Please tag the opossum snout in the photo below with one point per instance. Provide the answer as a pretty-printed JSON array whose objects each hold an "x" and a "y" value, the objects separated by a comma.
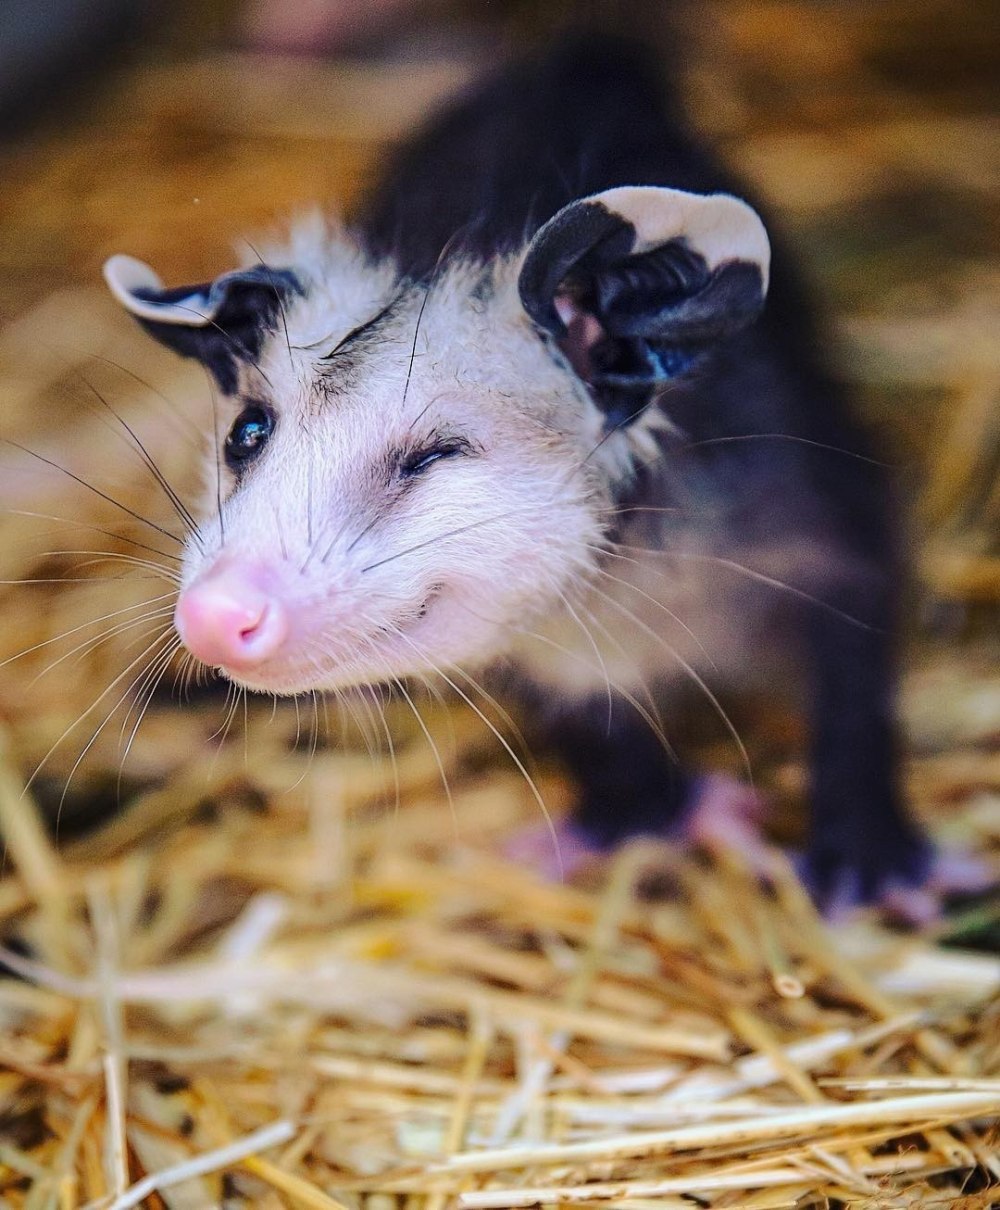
[{"x": 231, "y": 617}]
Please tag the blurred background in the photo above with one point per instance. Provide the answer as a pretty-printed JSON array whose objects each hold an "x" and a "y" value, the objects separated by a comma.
[
  {"x": 172, "y": 130},
  {"x": 235, "y": 835}
]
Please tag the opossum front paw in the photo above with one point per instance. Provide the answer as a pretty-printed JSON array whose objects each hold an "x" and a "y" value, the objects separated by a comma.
[
  {"x": 555, "y": 851},
  {"x": 849, "y": 872},
  {"x": 911, "y": 883},
  {"x": 719, "y": 813},
  {"x": 724, "y": 813}
]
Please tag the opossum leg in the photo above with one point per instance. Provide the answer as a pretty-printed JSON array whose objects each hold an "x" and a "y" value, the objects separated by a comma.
[
  {"x": 719, "y": 813},
  {"x": 863, "y": 848},
  {"x": 630, "y": 785},
  {"x": 950, "y": 875}
]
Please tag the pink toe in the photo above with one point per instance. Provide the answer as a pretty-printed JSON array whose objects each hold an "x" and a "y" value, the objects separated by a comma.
[
  {"x": 726, "y": 814},
  {"x": 958, "y": 873},
  {"x": 555, "y": 852}
]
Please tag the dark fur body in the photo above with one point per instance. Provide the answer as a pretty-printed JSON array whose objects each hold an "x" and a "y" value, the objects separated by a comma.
[{"x": 479, "y": 181}]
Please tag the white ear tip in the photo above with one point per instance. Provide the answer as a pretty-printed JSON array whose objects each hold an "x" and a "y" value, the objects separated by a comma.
[
  {"x": 125, "y": 275},
  {"x": 718, "y": 226},
  {"x": 748, "y": 232}
]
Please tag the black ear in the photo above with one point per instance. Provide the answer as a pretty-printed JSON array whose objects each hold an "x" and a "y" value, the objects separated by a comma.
[
  {"x": 636, "y": 282},
  {"x": 220, "y": 323}
]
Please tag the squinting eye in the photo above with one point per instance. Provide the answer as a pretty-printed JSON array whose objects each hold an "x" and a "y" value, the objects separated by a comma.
[
  {"x": 248, "y": 436},
  {"x": 420, "y": 460}
]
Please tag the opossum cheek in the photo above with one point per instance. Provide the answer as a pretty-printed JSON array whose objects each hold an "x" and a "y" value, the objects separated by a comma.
[{"x": 232, "y": 618}]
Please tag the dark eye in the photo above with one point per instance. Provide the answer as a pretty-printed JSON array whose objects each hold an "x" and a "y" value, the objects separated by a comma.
[
  {"x": 248, "y": 436},
  {"x": 417, "y": 462}
]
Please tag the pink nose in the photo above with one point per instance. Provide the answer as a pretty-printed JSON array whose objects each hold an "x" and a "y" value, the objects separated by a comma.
[{"x": 229, "y": 619}]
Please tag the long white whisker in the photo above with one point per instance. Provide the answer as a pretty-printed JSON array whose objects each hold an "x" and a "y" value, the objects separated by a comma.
[
  {"x": 151, "y": 647},
  {"x": 228, "y": 706},
  {"x": 146, "y": 694},
  {"x": 83, "y": 626},
  {"x": 93, "y": 739},
  {"x": 390, "y": 746},
  {"x": 140, "y": 692},
  {"x": 123, "y": 579},
  {"x": 100, "y": 556},
  {"x": 502, "y": 740},
  {"x": 691, "y": 672},
  {"x": 649, "y": 712},
  {"x": 431, "y": 744},
  {"x": 67, "y": 522},
  {"x": 759, "y": 576},
  {"x": 819, "y": 445},
  {"x": 597, "y": 651},
  {"x": 651, "y": 599},
  {"x": 91, "y": 644}
]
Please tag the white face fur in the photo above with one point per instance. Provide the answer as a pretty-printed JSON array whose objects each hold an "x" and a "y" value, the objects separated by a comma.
[
  {"x": 430, "y": 485},
  {"x": 414, "y": 505}
]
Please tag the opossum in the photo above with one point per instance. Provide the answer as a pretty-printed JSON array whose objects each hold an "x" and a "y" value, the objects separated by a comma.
[{"x": 532, "y": 413}]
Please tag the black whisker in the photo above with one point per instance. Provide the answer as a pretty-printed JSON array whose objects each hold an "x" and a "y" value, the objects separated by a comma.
[
  {"x": 193, "y": 429},
  {"x": 153, "y": 550},
  {"x": 277, "y": 296},
  {"x": 242, "y": 352},
  {"x": 609, "y": 433},
  {"x": 281, "y": 532},
  {"x": 413, "y": 346},
  {"x": 819, "y": 445},
  {"x": 370, "y": 526},
  {"x": 442, "y": 256},
  {"x": 451, "y": 533},
  {"x": 360, "y": 330},
  {"x": 96, "y": 490},
  {"x": 218, "y": 459},
  {"x": 179, "y": 506}
]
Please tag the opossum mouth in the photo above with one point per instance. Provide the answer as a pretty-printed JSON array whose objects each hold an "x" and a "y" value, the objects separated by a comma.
[
  {"x": 339, "y": 666},
  {"x": 428, "y": 601},
  {"x": 411, "y": 614}
]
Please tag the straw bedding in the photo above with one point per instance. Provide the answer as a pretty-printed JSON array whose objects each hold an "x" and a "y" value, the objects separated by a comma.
[
  {"x": 264, "y": 983},
  {"x": 261, "y": 957}
]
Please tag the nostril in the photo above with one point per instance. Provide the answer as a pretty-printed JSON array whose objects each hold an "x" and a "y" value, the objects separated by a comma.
[
  {"x": 247, "y": 632},
  {"x": 263, "y": 636}
]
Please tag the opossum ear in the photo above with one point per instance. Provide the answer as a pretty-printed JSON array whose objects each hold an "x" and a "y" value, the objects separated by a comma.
[
  {"x": 220, "y": 323},
  {"x": 636, "y": 282}
]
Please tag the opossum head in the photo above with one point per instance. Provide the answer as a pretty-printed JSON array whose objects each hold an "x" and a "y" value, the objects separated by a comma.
[{"x": 405, "y": 475}]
